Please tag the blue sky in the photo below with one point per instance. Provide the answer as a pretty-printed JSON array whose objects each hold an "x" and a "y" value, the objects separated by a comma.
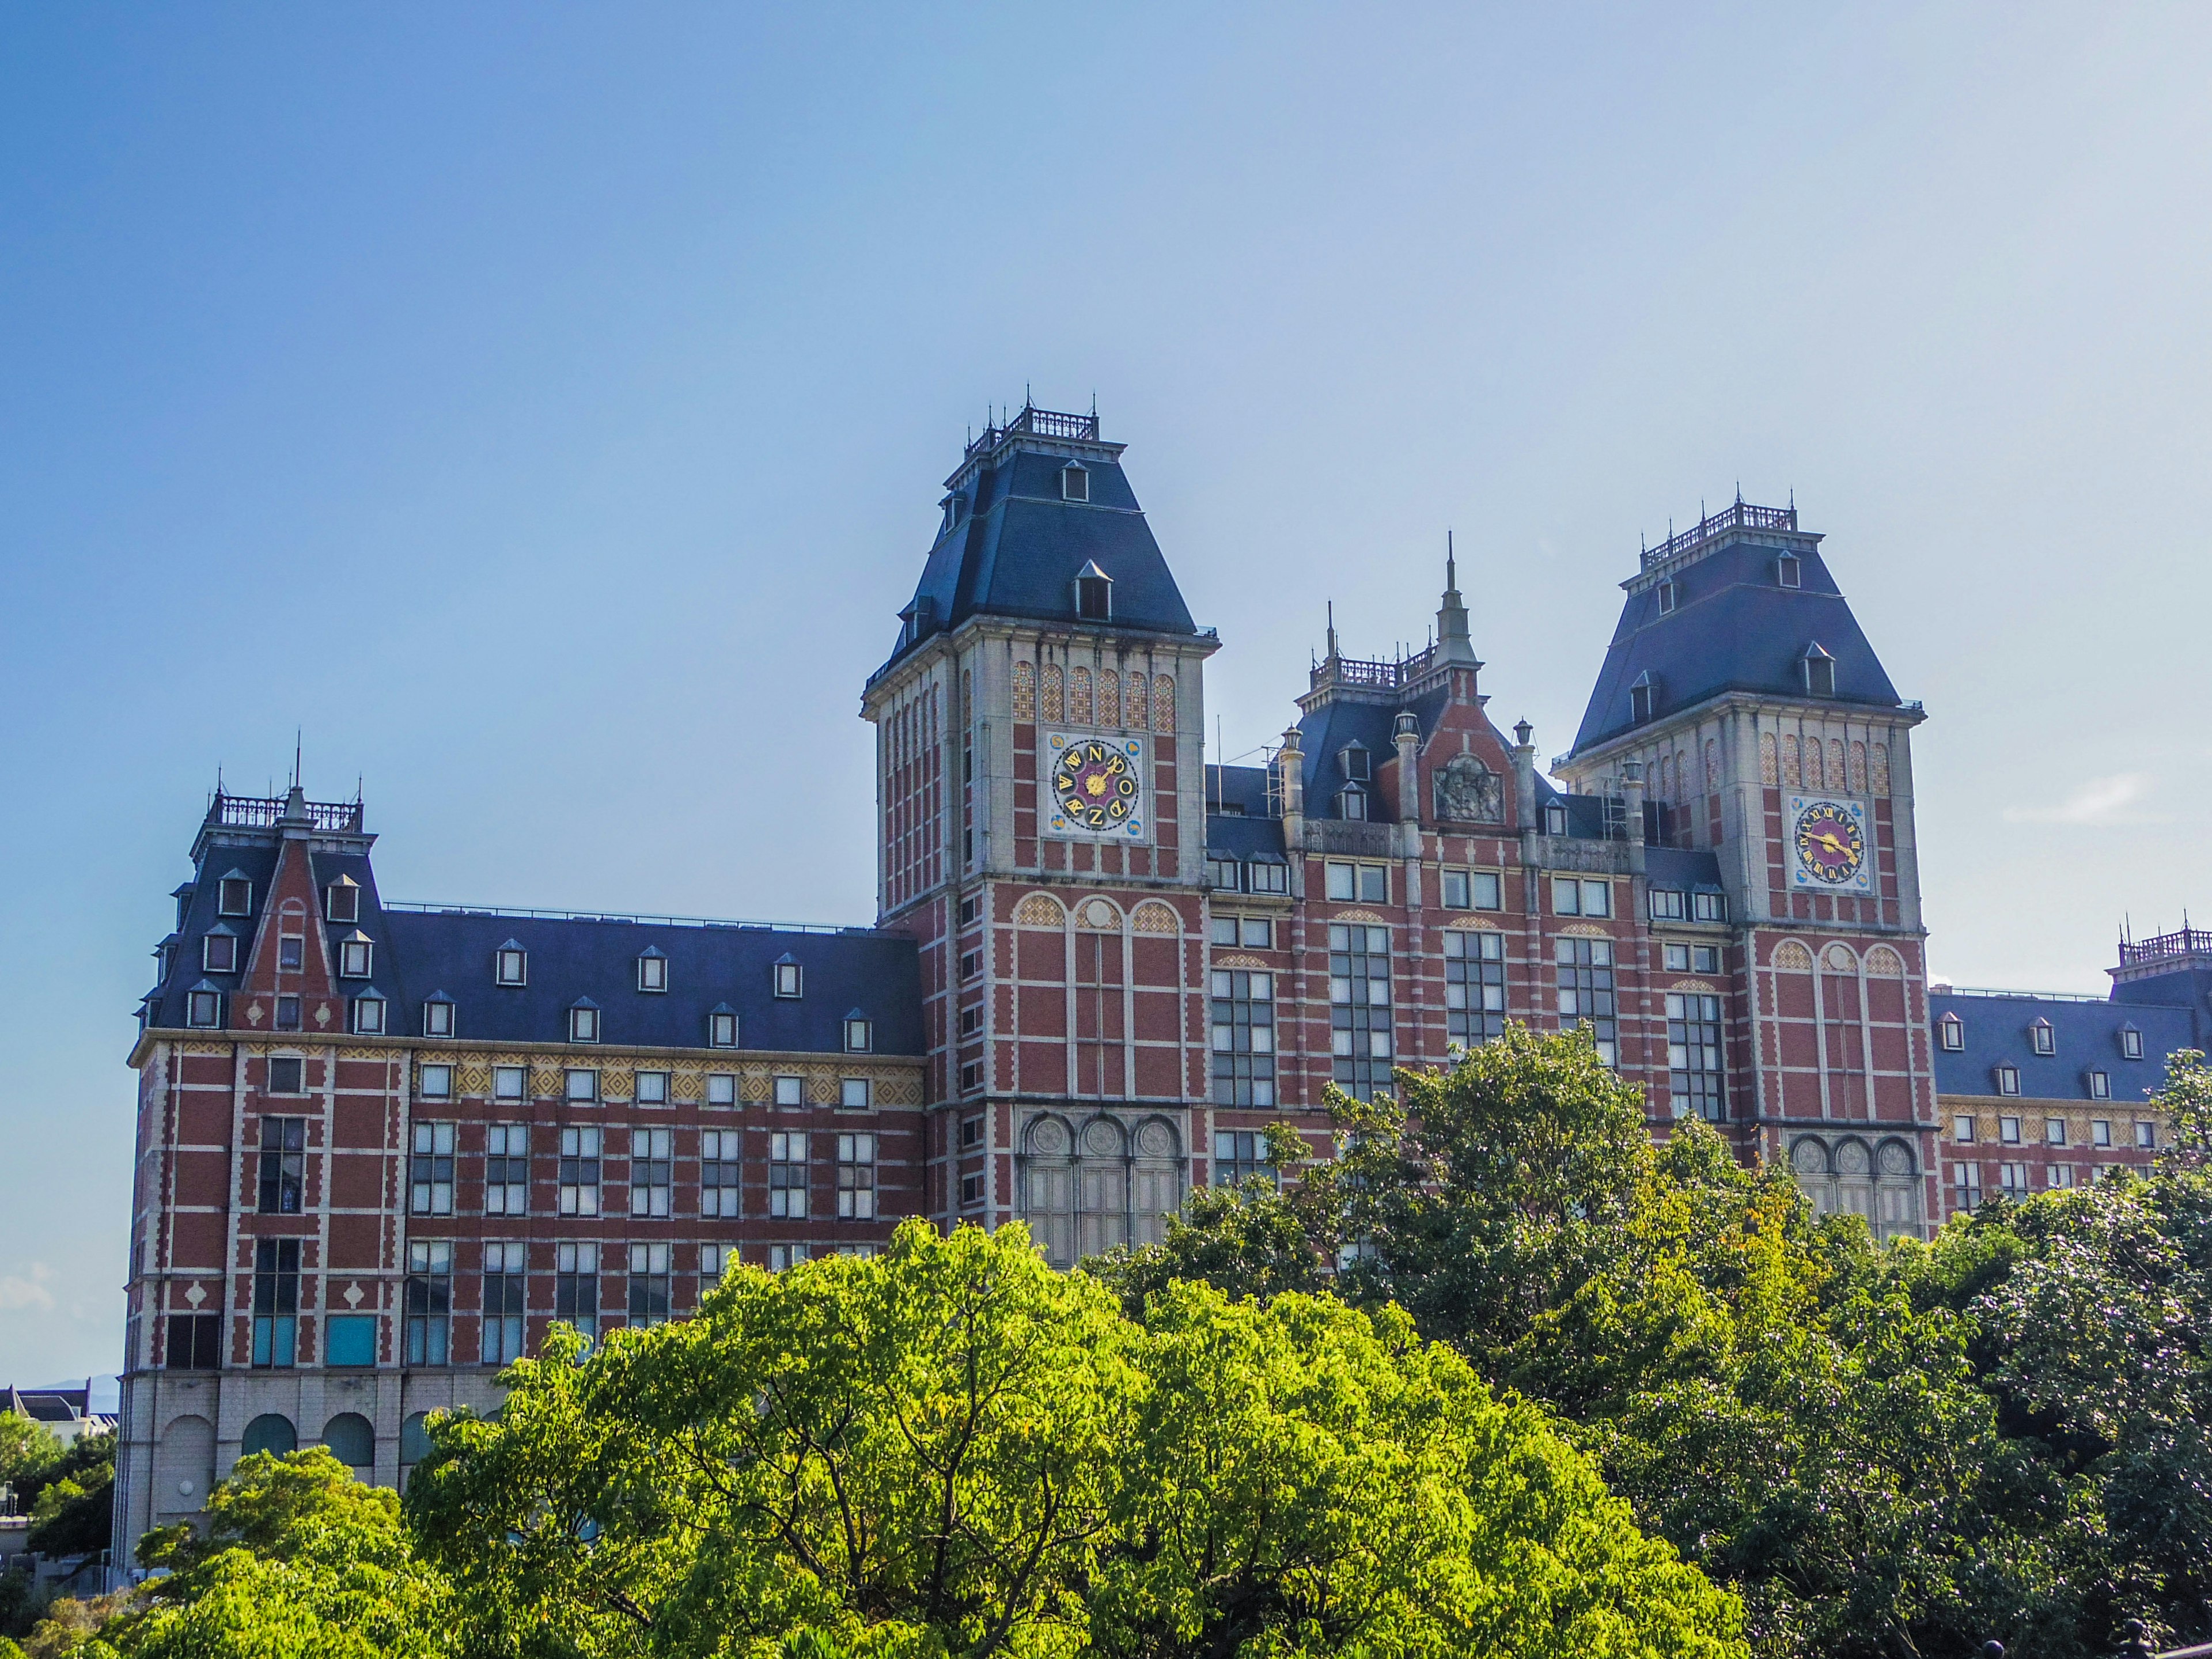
[{"x": 544, "y": 408}]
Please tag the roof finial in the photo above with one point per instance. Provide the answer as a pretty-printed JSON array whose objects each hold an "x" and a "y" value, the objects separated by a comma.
[
  {"x": 298, "y": 733},
  {"x": 1738, "y": 492},
  {"x": 1028, "y": 402},
  {"x": 1451, "y": 563},
  {"x": 1331, "y": 629}
]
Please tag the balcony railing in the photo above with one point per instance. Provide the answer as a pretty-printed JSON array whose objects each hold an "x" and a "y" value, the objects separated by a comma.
[
  {"x": 265, "y": 811},
  {"x": 1039, "y": 423},
  {"x": 2182, "y": 942},
  {"x": 1738, "y": 515}
]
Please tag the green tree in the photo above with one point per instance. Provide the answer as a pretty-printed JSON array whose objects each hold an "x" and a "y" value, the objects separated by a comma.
[
  {"x": 951, "y": 1450},
  {"x": 73, "y": 1510}
]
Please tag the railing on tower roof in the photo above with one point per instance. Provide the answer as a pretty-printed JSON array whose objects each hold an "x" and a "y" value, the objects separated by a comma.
[
  {"x": 266, "y": 811},
  {"x": 1039, "y": 423},
  {"x": 2184, "y": 941},
  {"x": 1738, "y": 515},
  {"x": 1382, "y": 674}
]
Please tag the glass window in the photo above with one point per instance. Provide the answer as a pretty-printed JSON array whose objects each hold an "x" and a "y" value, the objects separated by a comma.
[
  {"x": 1962, "y": 1129},
  {"x": 194, "y": 1343},
  {"x": 288, "y": 1012},
  {"x": 351, "y": 1339},
  {"x": 718, "y": 1170},
  {"x": 1375, "y": 884},
  {"x": 787, "y": 1174},
  {"x": 1708, "y": 906},
  {"x": 856, "y": 1177},
  {"x": 1223, "y": 874},
  {"x": 2008, "y": 1079},
  {"x": 722, "y": 1089},
  {"x": 2043, "y": 1038},
  {"x": 651, "y": 1155},
  {"x": 2054, "y": 1131},
  {"x": 579, "y": 1171},
  {"x": 722, "y": 1031},
  {"x": 1268, "y": 878},
  {"x": 275, "y": 1302},
  {"x": 1488, "y": 891},
  {"x": 235, "y": 896},
  {"x": 509, "y": 966},
  {"x": 576, "y": 1287},
  {"x": 2008, "y": 1130},
  {"x": 1697, "y": 1076},
  {"x": 506, "y": 1301},
  {"x": 368, "y": 1014},
  {"x": 1343, "y": 882},
  {"x": 790, "y": 1092},
  {"x": 2012, "y": 1180},
  {"x": 1666, "y": 904},
  {"x": 1951, "y": 1032},
  {"x": 1968, "y": 1194},
  {"x": 429, "y": 1300},
  {"x": 507, "y": 1168},
  {"x": 715, "y": 1260},
  {"x": 2101, "y": 1131},
  {"x": 205, "y": 1008},
  {"x": 283, "y": 1165},
  {"x": 788, "y": 979},
  {"x": 1586, "y": 990},
  {"x": 1474, "y": 986},
  {"x": 582, "y": 1086},
  {"x": 2101, "y": 1087},
  {"x": 219, "y": 953},
  {"x": 651, "y": 1089},
  {"x": 1597, "y": 898},
  {"x": 509, "y": 1082},
  {"x": 342, "y": 900},
  {"x": 858, "y": 1036},
  {"x": 430, "y": 1170},
  {"x": 1455, "y": 891},
  {"x": 1705, "y": 958},
  {"x": 651, "y": 1284},
  {"x": 1360, "y": 1036},
  {"x": 354, "y": 955},
  {"x": 1566, "y": 896},
  {"x": 1239, "y": 1155},
  {"x": 285, "y": 1074},
  {"x": 1222, "y": 931},
  {"x": 653, "y": 973},
  {"x": 853, "y": 1093},
  {"x": 436, "y": 1082},
  {"x": 2057, "y": 1176},
  {"x": 1243, "y": 1034},
  {"x": 437, "y": 1018},
  {"x": 1257, "y": 933},
  {"x": 2146, "y": 1135},
  {"x": 291, "y": 952},
  {"x": 583, "y": 1025},
  {"x": 2130, "y": 1043}
]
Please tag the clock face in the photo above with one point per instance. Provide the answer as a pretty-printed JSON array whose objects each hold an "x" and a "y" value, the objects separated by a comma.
[
  {"x": 1096, "y": 786},
  {"x": 1829, "y": 837}
]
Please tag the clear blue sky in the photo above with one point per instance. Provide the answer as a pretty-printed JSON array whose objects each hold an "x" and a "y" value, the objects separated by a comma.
[{"x": 545, "y": 407}]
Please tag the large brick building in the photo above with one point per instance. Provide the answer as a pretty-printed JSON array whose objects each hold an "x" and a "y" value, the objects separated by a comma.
[{"x": 382, "y": 1147}]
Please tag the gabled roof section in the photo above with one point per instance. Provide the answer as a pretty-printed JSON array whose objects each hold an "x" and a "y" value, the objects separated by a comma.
[
  {"x": 1013, "y": 544},
  {"x": 1730, "y": 623}
]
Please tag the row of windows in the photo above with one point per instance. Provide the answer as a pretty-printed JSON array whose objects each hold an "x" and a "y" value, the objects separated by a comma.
[
  {"x": 1248, "y": 876},
  {"x": 2042, "y": 1037},
  {"x": 2055, "y": 1132},
  {"x": 195, "y": 1341},
  {"x": 2097, "y": 1085},
  {"x": 580, "y": 1087},
  {"x": 219, "y": 952},
  {"x": 204, "y": 1004},
  {"x": 2012, "y": 1181}
]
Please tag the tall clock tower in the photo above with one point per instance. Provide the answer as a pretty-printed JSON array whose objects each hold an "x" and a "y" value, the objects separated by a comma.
[
  {"x": 1741, "y": 702},
  {"x": 1039, "y": 789}
]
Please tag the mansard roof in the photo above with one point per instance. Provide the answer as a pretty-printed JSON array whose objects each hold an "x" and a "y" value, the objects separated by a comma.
[
  {"x": 1730, "y": 625},
  {"x": 2085, "y": 1037},
  {"x": 1013, "y": 544}
]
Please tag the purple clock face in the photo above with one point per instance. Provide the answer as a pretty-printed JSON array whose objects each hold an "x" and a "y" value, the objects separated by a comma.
[
  {"x": 1095, "y": 786},
  {"x": 1829, "y": 844}
]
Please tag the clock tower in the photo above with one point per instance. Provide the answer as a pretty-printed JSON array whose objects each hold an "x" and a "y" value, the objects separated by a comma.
[
  {"x": 1039, "y": 789},
  {"x": 1742, "y": 705}
]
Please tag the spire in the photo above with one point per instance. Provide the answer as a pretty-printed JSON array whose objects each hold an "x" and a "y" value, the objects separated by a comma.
[
  {"x": 1454, "y": 646},
  {"x": 1332, "y": 630}
]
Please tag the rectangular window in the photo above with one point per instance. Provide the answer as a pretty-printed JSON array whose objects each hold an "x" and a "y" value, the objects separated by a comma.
[
  {"x": 435, "y": 1083},
  {"x": 2008, "y": 1130},
  {"x": 509, "y": 1083},
  {"x": 194, "y": 1343},
  {"x": 288, "y": 1011},
  {"x": 1968, "y": 1192},
  {"x": 2012, "y": 1180},
  {"x": 1951, "y": 1034},
  {"x": 1256, "y": 932},
  {"x": 1474, "y": 986},
  {"x": 1555, "y": 820},
  {"x": 285, "y": 1074},
  {"x": 429, "y": 1300},
  {"x": 1586, "y": 991},
  {"x": 719, "y": 1164},
  {"x": 1375, "y": 884},
  {"x": 971, "y": 963},
  {"x": 971, "y": 1020},
  {"x": 1962, "y": 1129},
  {"x": 507, "y": 1168},
  {"x": 1666, "y": 904},
  {"x": 650, "y": 1286},
  {"x": 653, "y": 973},
  {"x": 788, "y": 979},
  {"x": 342, "y": 900},
  {"x": 859, "y": 1035},
  {"x": 2057, "y": 1176},
  {"x": 349, "y": 1339},
  {"x": 1222, "y": 931},
  {"x": 1268, "y": 878},
  {"x": 971, "y": 1076},
  {"x": 354, "y": 958},
  {"x": 1566, "y": 896},
  {"x": 651, "y": 1155},
  {"x": 576, "y": 1287},
  {"x": 510, "y": 966},
  {"x": 1244, "y": 1023},
  {"x": 235, "y": 896},
  {"x": 1360, "y": 1036},
  {"x": 1456, "y": 894},
  {"x": 856, "y": 1177},
  {"x": 2146, "y": 1135},
  {"x": 651, "y": 1089},
  {"x": 1707, "y": 907},
  {"x": 583, "y": 1087},
  {"x": 971, "y": 1132},
  {"x": 283, "y": 1165},
  {"x": 2130, "y": 1044},
  {"x": 430, "y": 1170},
  {"x": 1705, "y": 958},
  {"x": 971, "y": 1190},
  {"x": 219, "y": 953},
  {"x": 275, "y": 1302},
  {"x": 2101, "y": 1131},
  {"x": 1597, "y": 898},
  {"x": 2008, "y": 1079},
  {"x": 1696, "y": 1074},
  {"x": 1223, "y": 873},
  {"x": 583, "y": 1025},
  {"x": 852, "y": 1094},
  {"x": 2054, "y": 1131},
  {"x": 1785, "y": 571},
  {"x": 579, "y": 1171},
  {"x": 1240, "y": 1154},
  {"x": 204, "y": 1009},
  {"x": 1343, "y": 882},
  {"x": 722, "y": 1089},
  {"x": 790, "y": 1092},
  {"x": 506, "y": 1301},
  {"x": 368, "y": 1015},
  {"x": 787, "y": 1175},
  {"x": 781, "y": 1256},
  {"x": 291, "y": 952},
  {"x": 2043, "y": 1038},
  {"x": 714, "y": 1260},
  {"x": 2101, "y": 1087},
  {"x": 721, "y": 1030}
]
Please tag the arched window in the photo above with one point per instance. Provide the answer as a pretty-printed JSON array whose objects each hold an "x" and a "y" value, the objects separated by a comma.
[
  {"x": 413, "y": 1445},
  {"x": 269, "y": 1433},
  {"x": 352, "y": 1440}
]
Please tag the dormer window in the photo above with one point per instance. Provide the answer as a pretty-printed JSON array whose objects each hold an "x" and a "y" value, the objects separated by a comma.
[
  {"x": 2130, "y": 1043},
  {"x": 1094, "y": 594},
  {"x": 584, "y": 1021},
  {"x": 952, "y": 511},
  {"x": 1820, "y": 673},
  {"x": 342, "y": 900},
  {"x": 1353, "y": 759},
  {"x": 1641, "y": 696},
  {"x": 652, "y": 970},
  {"x": 1351, "y": 802},
  {"x": 1074, "y": 484},
  {"x": 1555, "y": 820},
  {"x": 219, "y": 951},
  {"x": 203, "y": 1006},
  {"x": 2008, "y": 1079},
  {"x": 1786, "y": 572},
  {"x": 355, "y": 952},
  {"x": 1668, "y": 597},
  {"x": 1951, "y": 1033},
  {"x": 787, "y": 976},
  {"x": 235, "y": 897},
  {"x": 510, "y": 965},
  {"x": 860, "y": 1033},
  {"x": 438, "y": 1015},
  {"x": 2042, "y": 1038},
  {"x": 183, "y": 898},
  {"x": 722, "y": 1027},
  {"x": 368, "y": 1014}
]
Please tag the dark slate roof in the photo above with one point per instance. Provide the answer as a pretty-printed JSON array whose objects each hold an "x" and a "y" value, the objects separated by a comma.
[
  {"x": 1326, "y": 733},
  {"x": 1733, "y": 628},
  {"x": 257, "y": 864},
  {"x": 1685, "y": 869},
  {"x": 1253, "y": 841},
  {"x": 1236, "y": 789},
  {"x": 570, "y": 959},
  {"x": 2087, "y": 1037},
  {"x": 1016, "y": 547}
]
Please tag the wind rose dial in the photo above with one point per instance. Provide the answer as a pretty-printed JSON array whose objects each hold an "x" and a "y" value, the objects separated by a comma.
[
  {"x": 1829, "y": 848},
  {"x": 1095, "y": 784}
]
